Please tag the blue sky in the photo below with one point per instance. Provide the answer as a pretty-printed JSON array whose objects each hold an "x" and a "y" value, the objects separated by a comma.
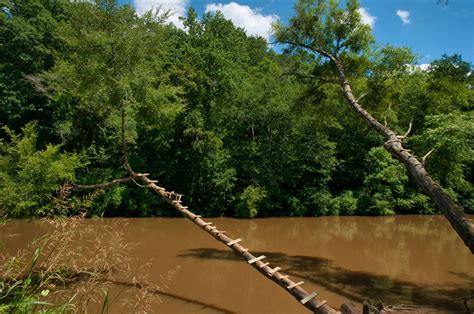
[{"x": 428, "y": 28}]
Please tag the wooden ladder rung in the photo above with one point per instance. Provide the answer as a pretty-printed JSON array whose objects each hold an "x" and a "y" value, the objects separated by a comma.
[
  {"x": 256, "y": 259},
  {"x": 245, "y": 250},
  {"x": 284, "y": 277},
  {"x": 234, "y": 242},
  {"x": 295, "y": 284},
  {"x": 322, "y": 303},
  {"x": 212, "y": 228},
  {"x": 207, "y": 223},
  {"x": 274, "y": 270},
  {"x": 184, "y": 207},
  {"x": 264, "y": 264},
  {"x": 309, "y": 297},
  {"x": 197, "y": 216}
]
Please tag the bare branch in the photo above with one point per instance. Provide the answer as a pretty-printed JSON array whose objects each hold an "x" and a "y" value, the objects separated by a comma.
[
  {"x": 124, "y": 142},
  {"x": 409, "y": 128},
  {"x": 408, "y": 131},
  {"x": 80, "y": 187},
  {"x": 313, "y": 49},
  {"x": 317, "y": 78},
  {"x": 423, "y": 159},
  {"x": 361, "y": 96}
]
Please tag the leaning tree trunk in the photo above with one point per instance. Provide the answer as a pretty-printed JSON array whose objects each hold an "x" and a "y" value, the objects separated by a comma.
[{"x": 443, "y": 202}]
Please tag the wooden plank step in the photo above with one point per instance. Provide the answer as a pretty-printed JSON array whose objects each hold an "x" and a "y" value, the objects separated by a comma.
[
  {"x": 322, "y": 303},
  {"x": 274, "y": 270},
  {"x": 256, "y": 259},
  {"x": 264, "y": 264},
  {"x": 309, "y": 297},
  {"x": 234, "y": 242},
  {"x": 295, "y": 285},
  {"x": 207, "y": 223}
]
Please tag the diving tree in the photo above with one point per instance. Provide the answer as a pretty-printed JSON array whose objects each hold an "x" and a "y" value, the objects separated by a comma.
[{"x": 334, "y": 42}]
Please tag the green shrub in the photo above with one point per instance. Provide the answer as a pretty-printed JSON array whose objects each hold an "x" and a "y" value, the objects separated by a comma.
[
  {"x": 250, "y": 200},
  {"x": 29, "y": 177},
  {"x": 344, "y": 204}
]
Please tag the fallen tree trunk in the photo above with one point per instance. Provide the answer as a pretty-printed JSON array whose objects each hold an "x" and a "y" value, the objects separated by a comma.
[
  {"x": 273, "y": 273},
  {"x": 453, "y": 212}
]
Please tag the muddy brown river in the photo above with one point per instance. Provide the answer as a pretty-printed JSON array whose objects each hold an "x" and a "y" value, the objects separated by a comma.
[{"x": 417, "y": 260}]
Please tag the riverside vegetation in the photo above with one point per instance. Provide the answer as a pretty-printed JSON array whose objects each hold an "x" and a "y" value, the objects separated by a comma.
[{"x": 239, "y": 129}]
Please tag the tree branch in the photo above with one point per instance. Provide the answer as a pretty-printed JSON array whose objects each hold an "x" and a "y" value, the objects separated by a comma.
[
  {"x": 361, "y": 96},
  {"x": 124, "y": 144},
  {"x": 317, "y": 78},
  {"x": 313, "y": 49},
  {"x": 82, "y": 187},
  {"x": 423, "y": 159},
  {"x": 408, "y": 131}
]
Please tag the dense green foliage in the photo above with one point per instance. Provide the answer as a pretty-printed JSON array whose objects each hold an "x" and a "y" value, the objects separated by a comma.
[{"x": 217, "y": 115}]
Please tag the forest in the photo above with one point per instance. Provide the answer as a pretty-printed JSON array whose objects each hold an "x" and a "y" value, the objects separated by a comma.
[{"x": 240, "y": 127}]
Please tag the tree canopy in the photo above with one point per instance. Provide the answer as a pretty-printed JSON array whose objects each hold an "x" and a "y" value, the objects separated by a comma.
[{"x": 238, "y": 128}]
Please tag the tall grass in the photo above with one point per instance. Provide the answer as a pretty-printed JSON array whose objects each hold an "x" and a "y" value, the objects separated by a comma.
[{"x": 70, "y": 268}]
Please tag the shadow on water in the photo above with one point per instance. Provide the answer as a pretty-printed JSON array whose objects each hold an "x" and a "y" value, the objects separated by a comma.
[
  {"x": 173, "y": 296},
  {"x": 356, "y": 285}
]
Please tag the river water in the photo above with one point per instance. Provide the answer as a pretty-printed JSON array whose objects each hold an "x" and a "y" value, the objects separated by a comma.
[{"x": 416, "y": 260}]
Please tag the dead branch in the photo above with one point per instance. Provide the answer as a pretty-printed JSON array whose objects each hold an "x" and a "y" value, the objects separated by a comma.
[
  {"x": 361, "y": 96},
  {"x": 408, "y": 131},
  {"x": 82, "y": 187},
  {"x": 423, "y": 159},
  {"x": 124, "y": 144},
  {"x": 465, "y": 299}
]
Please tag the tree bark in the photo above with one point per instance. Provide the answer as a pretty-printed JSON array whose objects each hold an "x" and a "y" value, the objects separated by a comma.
[{"x": 453, "y": 212}]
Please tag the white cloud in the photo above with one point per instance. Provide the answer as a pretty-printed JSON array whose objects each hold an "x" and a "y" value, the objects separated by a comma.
[
  {"x": 424, "y": 66},
  {"x": 243, "y": 16},
  {"x": 366, "y": 17},
  {"x": 177, "y": 8},
  {"x": 404, "y": 16},
  {"x": 412, "y": 68}
]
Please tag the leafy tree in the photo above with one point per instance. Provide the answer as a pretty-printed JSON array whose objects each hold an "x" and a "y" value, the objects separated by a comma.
[
  {"x": 451, "y": 139},
  {"x": 27, "y": 47},
  {"x": 112, "y": 73}
]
